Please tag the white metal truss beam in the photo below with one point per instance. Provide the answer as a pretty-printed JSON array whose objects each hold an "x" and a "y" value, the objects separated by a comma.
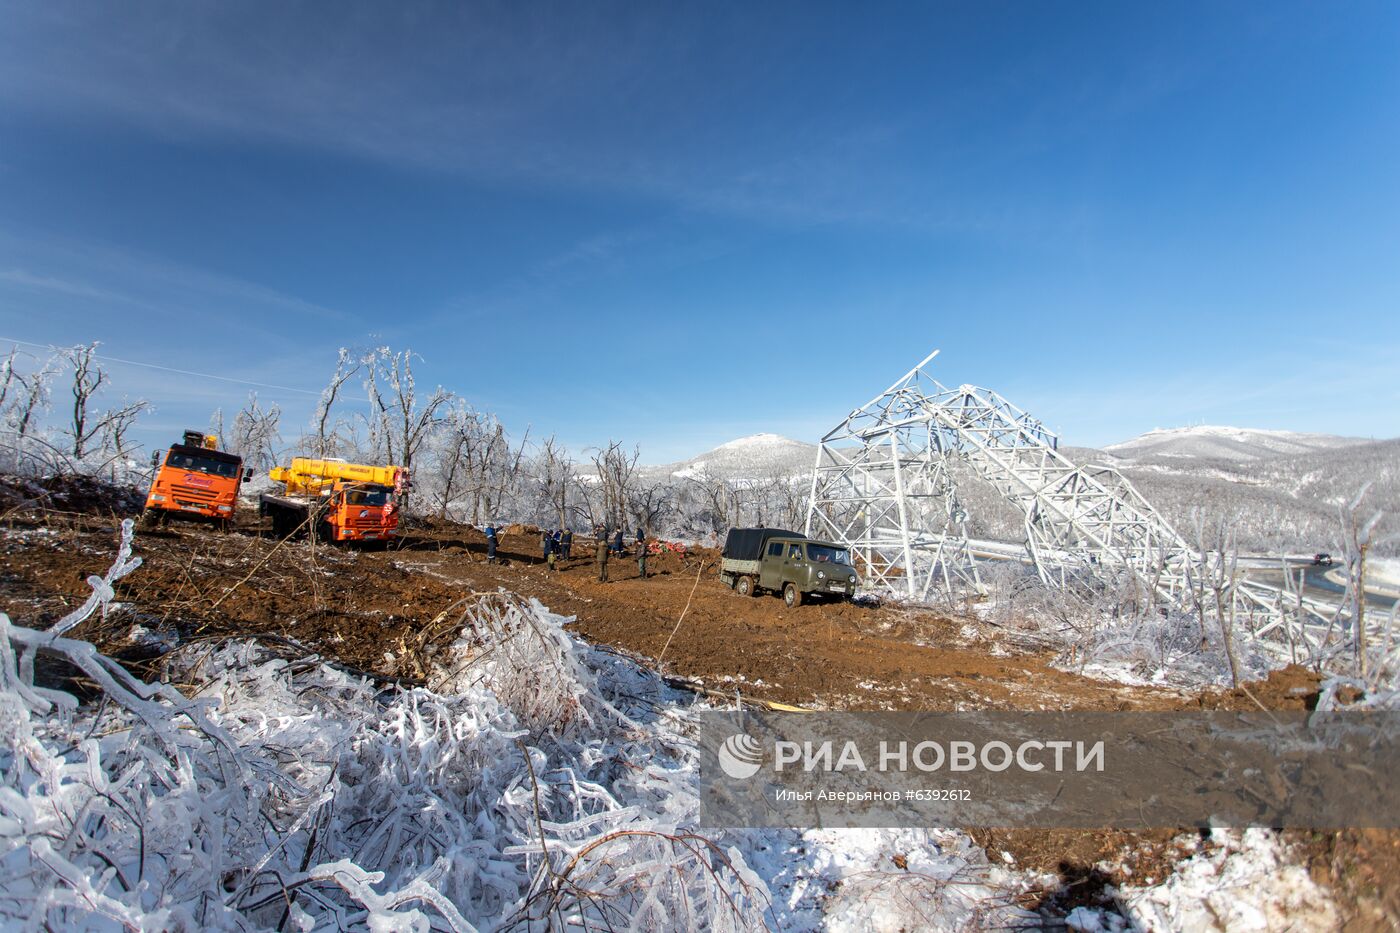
[{"x": 883, "y": 487}]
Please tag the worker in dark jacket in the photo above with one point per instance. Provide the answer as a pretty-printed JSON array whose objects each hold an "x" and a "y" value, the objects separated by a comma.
[
  {"x": 642, "y": 556},
  {"x": 602, "y": 557},
  {"x": 490, "y": 544},
  {"x": 566, "y": 543},
  {"x": 544, "y": 544},
  {"x": 618, "y": 544}
]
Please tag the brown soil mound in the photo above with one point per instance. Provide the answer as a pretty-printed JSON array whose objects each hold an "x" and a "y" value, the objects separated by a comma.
[
  {"x": 68, "y": 496},
  {"x": 359, "y": 609}
]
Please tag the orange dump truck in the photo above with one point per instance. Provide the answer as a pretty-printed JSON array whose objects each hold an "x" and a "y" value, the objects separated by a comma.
[
  {"x": 195, "y": 480},
  {"x": 336, "y": 500}
]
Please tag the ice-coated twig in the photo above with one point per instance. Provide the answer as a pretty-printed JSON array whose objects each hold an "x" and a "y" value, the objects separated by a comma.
[
  {"x": 102, "y": 592},
  {"x": 415, "y": 809}
]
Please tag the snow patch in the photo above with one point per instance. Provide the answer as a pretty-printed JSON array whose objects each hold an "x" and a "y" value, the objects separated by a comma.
[{"x": 1246, "y": 882}]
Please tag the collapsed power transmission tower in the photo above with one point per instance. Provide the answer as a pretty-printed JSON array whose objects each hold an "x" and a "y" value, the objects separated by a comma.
[{"x": 884, "y": 486}]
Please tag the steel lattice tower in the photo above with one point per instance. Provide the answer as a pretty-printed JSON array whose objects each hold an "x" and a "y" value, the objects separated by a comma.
[{"x": 883, "y": 486}]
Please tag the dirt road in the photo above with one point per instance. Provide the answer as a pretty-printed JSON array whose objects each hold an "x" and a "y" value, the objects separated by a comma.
[{"x": 826, "y": 655}]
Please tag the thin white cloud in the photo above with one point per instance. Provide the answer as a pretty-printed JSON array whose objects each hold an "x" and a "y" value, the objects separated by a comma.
[
  {"x": 45, "y": 283},
  {"x": 100, "y": 272},
  {"x": 659, "y": 102}
]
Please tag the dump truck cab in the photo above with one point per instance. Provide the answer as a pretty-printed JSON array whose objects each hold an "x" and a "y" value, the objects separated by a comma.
[
  {"x": 771, "y": 560},
  {"x": 196, "y": 480}
]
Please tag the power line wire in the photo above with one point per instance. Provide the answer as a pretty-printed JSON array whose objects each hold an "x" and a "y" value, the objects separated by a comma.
[{"x": 171, "y": 369}]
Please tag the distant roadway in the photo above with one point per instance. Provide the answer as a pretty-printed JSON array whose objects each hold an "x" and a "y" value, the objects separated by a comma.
[{"x": 1316, "y": 582}]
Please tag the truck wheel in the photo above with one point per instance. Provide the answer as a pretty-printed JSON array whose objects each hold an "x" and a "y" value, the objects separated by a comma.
[
  {"x": 745, "y": 586},
  {"x": 792, "y": 596}
]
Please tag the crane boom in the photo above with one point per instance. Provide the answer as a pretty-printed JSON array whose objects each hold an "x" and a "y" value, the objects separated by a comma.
[{"x": 310, "y": 477}]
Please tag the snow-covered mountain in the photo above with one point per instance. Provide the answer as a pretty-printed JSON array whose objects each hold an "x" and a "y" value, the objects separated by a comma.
[
  {"x": 1227, "y": 443},
  {"x": 758, "y": 456}
]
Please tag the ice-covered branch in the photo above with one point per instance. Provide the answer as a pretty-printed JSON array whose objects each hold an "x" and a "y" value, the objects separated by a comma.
[{"x": 296, "y": 795}]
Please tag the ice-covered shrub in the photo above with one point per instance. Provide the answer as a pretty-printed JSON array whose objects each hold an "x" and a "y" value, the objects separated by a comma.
[
  {"x": 1117, "y": 624},
  {"x": 287, "y": 794}
]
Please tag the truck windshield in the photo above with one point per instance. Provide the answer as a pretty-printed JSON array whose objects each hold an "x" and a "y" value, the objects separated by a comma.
[
  {"x": 367, "y": 497},
  {"x": 197, "y": 464},
  {"x": 822, "y": 554}
]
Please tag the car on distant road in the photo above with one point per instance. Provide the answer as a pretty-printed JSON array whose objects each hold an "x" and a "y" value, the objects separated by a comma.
[{"x": 1322, "y": 560}]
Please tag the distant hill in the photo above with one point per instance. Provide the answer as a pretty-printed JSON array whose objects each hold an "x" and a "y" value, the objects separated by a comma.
[
  {"x": 1278, "y": 490},
  {"x": 756, "y": 457},
  {"x": 1226, "y": 443}
]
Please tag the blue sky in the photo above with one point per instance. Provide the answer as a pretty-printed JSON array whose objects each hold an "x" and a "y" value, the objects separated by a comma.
[{"x": 677, "y": 224}]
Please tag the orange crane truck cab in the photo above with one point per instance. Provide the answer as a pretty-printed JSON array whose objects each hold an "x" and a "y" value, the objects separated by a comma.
[
  {"x": 338, "y": 501},
  {"x": 194, "y": 480}
]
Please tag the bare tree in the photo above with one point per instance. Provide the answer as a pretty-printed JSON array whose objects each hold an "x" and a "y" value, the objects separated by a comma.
[
  {"x": 1217, "y": 569},
  {"x": 615, "y": 468},
  {"x": 88, "y": 378},
  {"x": 501, "y": 474},
  {"x": 378, "y": 419},
  {"x": 216, "y": 424},
  {"x": 107, "y": 428},
  {"x": 719, "y": 500},
  {"x": 326, "y": 442},
  {"x": 1357, "y": 540},
  {"x": 648, "y": 502},
  {"x": 7, "y": 377},
  {"x": 399, "y": 422},
  {"x": 456, "y": 442},
  {"x": 255, "y": 433},
  {"x": 24, "y": 395},
  {"x": 115, "y": 424},
  {"x": 554, "y": 473},
  {"x": 787, "y": 498},
  {"x": 470, "y": 452}
]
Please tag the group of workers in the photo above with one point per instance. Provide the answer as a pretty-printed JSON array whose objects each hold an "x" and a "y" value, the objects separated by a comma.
[
  {"x": 606, "y": 548},
  {"x": 557, "y": 545}
]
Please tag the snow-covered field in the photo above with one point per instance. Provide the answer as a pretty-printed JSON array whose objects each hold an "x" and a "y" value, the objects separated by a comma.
[{"x": 537, "y": 783}]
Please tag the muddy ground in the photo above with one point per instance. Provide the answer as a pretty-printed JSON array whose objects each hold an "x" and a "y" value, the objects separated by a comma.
[{"x": 374, "y": 612}]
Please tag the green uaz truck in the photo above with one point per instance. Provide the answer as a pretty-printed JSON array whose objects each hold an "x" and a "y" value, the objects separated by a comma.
[{"x": 755, "y": 560}]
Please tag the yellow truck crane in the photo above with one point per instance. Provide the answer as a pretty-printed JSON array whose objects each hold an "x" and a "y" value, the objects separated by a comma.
[{"x": 338, "y": 501}]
